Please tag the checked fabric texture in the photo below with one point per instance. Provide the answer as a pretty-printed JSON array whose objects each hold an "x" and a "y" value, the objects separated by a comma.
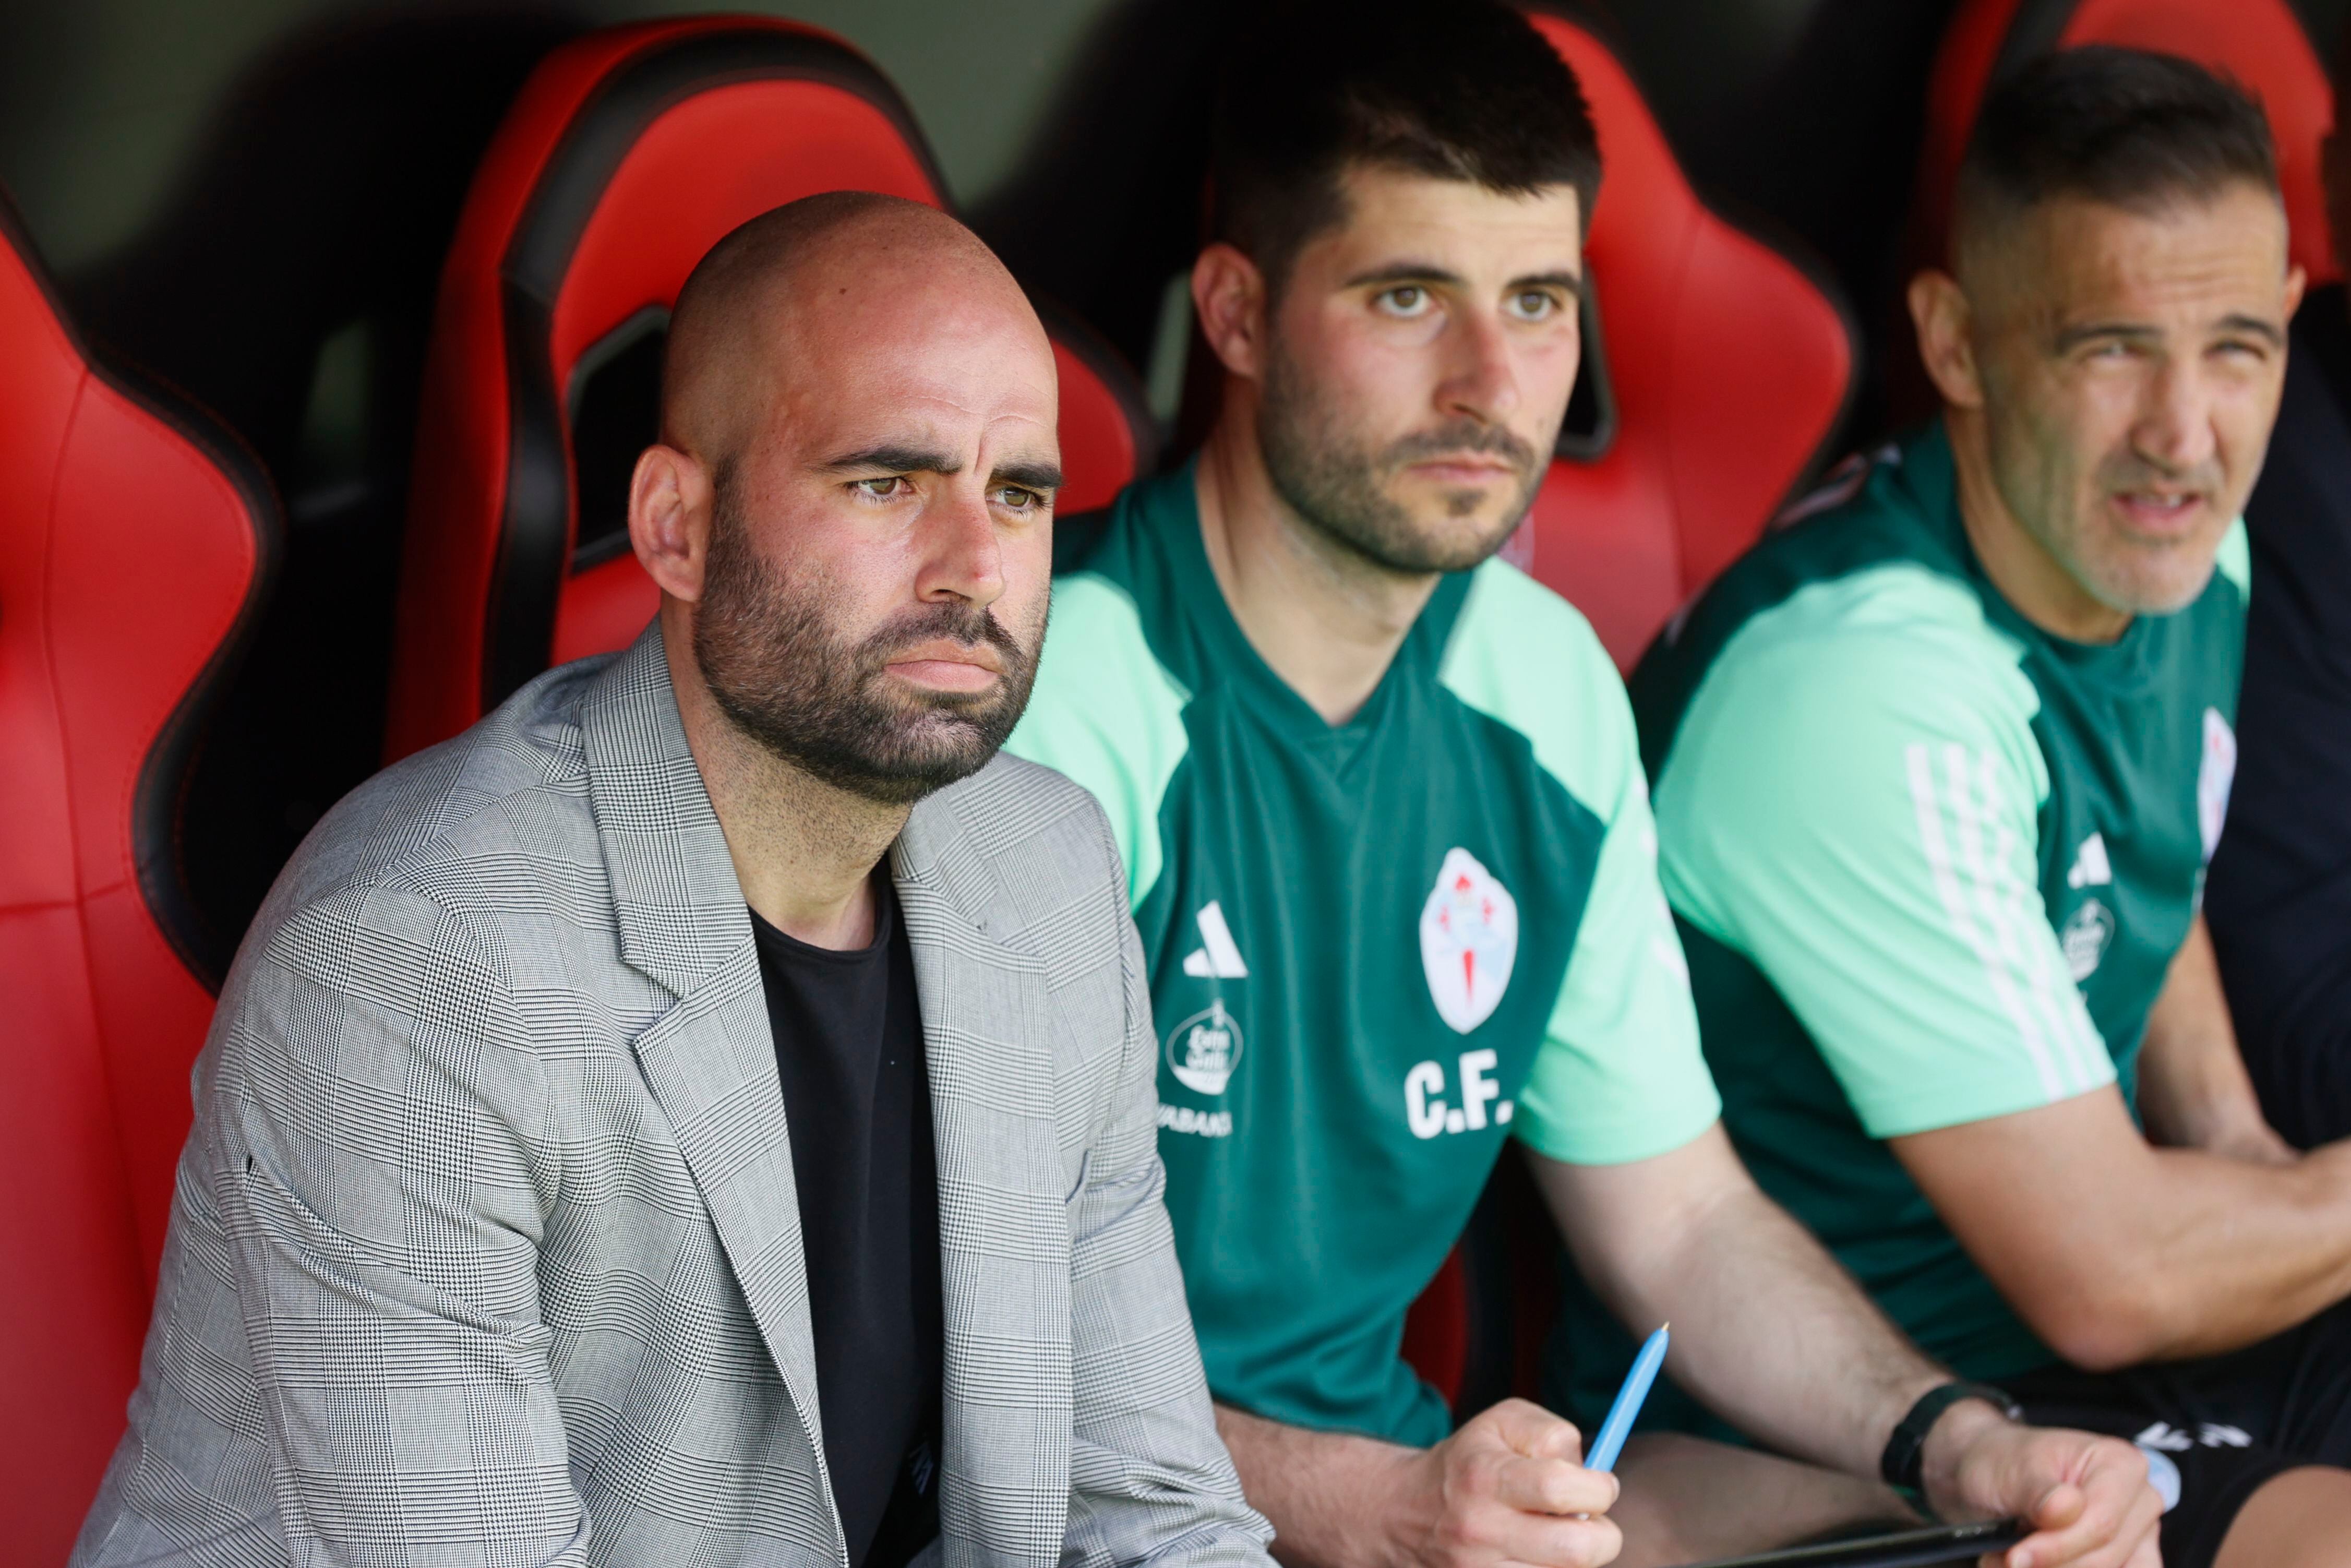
[{"x": 485, "y": 1251}]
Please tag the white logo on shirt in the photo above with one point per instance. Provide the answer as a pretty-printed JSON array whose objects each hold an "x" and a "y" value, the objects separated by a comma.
[
  {"x": 1202, "y": 1050},
  {"x": 2091, "y": 867},
  {"x": 2084, "y": 939},
  {"x": 1220, "y": 959},
  {"x": 2215, "y": 778},
  {"x": 1468, "y": 940},
  {"x": 2167, "y": 1439},
  {"x": 1427, "y": 1115}
]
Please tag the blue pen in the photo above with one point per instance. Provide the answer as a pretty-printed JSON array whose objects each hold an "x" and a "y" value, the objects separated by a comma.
[{"x": 1619, "y": 1424}]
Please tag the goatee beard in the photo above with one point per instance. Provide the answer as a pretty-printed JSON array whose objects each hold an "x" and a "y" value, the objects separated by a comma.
[{"x": 778, "y": 671}]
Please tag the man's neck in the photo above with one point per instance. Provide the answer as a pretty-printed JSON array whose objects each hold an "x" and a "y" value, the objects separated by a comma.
[
  {"x": 2032, "y": 581},
  {"x": 1326, "y": 620},
  {"x": 804, "y": 851}
]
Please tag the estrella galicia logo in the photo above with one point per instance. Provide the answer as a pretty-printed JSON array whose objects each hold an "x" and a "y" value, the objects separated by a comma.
[
  {"x": 2084, "y": 938},
  {"x": 1204, "y": 1049}
]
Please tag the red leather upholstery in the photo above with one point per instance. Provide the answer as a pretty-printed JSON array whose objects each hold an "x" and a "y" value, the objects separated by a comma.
[
  {"x": 2261, "y": 43},
  {"x": 135, "y": 543},
  {"x": 628, "y": 154},
  {"x": 1730, "y": 370}
]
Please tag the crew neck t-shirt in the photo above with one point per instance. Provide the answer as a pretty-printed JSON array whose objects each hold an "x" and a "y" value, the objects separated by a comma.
[
  {"x": 1931, "y": 863},
  {"x": 857, "y": 1106},
  {"x": 1377, "y": 949}
]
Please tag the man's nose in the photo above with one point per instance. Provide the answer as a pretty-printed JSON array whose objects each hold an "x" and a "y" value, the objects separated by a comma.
[
  {"x": 962, "y": 557},
  {"x": 2175, "y": 429},
  {"x": 1480, "y": 378}
]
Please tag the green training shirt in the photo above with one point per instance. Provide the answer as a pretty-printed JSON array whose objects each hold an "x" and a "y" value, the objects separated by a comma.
[
  {"x": 1931, "y": 863},
  {"x": 1377, "y": 949}
]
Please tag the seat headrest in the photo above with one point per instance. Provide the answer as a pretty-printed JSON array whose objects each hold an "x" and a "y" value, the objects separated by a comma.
[{"x": 628, "y": 154}]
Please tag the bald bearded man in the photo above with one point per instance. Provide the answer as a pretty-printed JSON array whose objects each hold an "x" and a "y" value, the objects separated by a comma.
[{"x": 703, "y": 1113}]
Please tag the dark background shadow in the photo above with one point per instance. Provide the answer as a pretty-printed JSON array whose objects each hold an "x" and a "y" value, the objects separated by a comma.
[{"x": 288, "y": 284}]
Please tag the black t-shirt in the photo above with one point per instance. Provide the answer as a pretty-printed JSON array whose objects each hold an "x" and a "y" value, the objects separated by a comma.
[
  {"x": 2279, "y": 898},
  {"x": 857, "y": 1101}
]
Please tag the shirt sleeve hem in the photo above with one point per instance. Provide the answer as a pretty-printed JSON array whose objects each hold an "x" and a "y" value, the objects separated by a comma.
[
  {"x": 1956, "y": 1104},
  {"x": 1587, "y": 1144}
]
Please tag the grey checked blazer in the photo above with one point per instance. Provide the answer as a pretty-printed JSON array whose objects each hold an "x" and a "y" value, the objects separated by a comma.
[{"x": 485, "y": 1249}]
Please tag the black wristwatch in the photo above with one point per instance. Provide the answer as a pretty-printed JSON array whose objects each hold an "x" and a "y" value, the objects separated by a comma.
[{"x": 1905, "y": 1459}]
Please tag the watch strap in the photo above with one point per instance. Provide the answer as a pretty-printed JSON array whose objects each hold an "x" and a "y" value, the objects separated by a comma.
[{"x": 1904, "y": 1462}]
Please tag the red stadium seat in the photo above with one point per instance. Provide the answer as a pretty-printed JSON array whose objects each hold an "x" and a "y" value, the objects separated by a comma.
[
  {"x": 136, "y": 543},
  {"x": 1727, "y": 371},
  {"x": 628, "y": 154},
  {"x": 2261, "y": 43}
]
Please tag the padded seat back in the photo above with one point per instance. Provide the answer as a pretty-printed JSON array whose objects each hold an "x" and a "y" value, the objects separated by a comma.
[
  {"x": 2261, "y": 43},
  {"x": 628, "y": 153},
  {"x": 136, "y": 541},
  {"x": 1727, "y": 370}
]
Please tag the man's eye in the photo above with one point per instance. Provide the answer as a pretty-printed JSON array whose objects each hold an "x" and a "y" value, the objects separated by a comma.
[
  {"x": 1405, "y": 299},
  {"x": 881, "y": 489},
  {"x": 1533, "y": 305},
  {"x": 1015, "y": 499}
]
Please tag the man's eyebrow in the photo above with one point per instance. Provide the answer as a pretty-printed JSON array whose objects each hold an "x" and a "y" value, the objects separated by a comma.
[
  {"x": 2070, "y": 337},
  {"x": 1572, "y": 282},
  {"x": 1404, "y": 272},
  {"x": 1028, "y": 476},
  {"x": 2140, "y": 331},
  {"x": 2253, "y": 325},
  {"x": 900, "y": 458}
]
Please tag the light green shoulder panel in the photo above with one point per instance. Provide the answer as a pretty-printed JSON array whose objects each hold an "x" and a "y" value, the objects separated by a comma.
[
  {"x": 2235, "y": 561},
  {"x": 1107, "y": 714},
  {"x": 1810, "y": 685},
  {"x": 1620, "y": 1076},
  {"x": 1851, "y": 802},
  {"x": 1521, "y": 654}
]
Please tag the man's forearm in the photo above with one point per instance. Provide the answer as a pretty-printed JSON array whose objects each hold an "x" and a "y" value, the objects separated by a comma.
[
  {"x": 1326, "y": 1493},
  {"x": 2226, "y": 1253},
  {"x": 1776, "y": 1339},
  {"x": 2117, "y": 1252}
]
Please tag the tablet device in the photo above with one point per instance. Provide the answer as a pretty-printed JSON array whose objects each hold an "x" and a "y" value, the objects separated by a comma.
[{"x": 1909, "y": 1549}]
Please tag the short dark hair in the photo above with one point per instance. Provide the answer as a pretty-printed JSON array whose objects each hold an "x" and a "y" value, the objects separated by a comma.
[
  {"x": 2128, "y": 128},
  {"x": 1463, "y": 89}
]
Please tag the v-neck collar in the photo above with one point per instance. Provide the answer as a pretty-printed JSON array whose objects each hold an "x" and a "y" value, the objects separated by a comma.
[
  {"x": 1231, "y": 656},
  {"x": 1933, "y": 474}
]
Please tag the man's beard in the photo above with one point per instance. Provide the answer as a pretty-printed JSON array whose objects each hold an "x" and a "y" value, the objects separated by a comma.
[
  {"x": 777, "y": 669},
  {"x": 1334, "y": 484}
]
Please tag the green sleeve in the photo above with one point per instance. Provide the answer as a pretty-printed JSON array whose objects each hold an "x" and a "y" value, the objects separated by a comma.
[
  {"x": 1619, "y": 1076},
  {"x": 1851, "y": 803},
  {"x": 1106, "y": 713}
]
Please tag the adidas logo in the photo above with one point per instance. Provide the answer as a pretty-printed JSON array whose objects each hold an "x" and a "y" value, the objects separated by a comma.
[
  {"x": 1220, "y": 960},
  {"x": 2091, "y": 868}
]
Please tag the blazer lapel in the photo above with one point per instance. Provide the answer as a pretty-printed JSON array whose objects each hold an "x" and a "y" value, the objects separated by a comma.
[
  {"x": 989, "y": 1026},
  {"x": 710, "y": 1061}
]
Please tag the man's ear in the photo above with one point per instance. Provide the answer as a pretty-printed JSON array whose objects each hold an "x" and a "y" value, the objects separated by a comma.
[
  {"x": 1939, "y": 309},
  {"x": 670, "y": 502},
  {"x": 1228, "y": 301}
]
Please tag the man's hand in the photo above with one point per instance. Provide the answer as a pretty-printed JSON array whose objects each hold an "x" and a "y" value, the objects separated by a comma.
[
  {"x": 2086, "y": 1498},
  {"x": 1509, "y": 1485}
]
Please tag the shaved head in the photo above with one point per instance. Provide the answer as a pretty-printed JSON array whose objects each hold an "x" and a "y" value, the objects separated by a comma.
[
  {"x": 850, "y": 509},
  {"x": 760, "y": 290}
]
